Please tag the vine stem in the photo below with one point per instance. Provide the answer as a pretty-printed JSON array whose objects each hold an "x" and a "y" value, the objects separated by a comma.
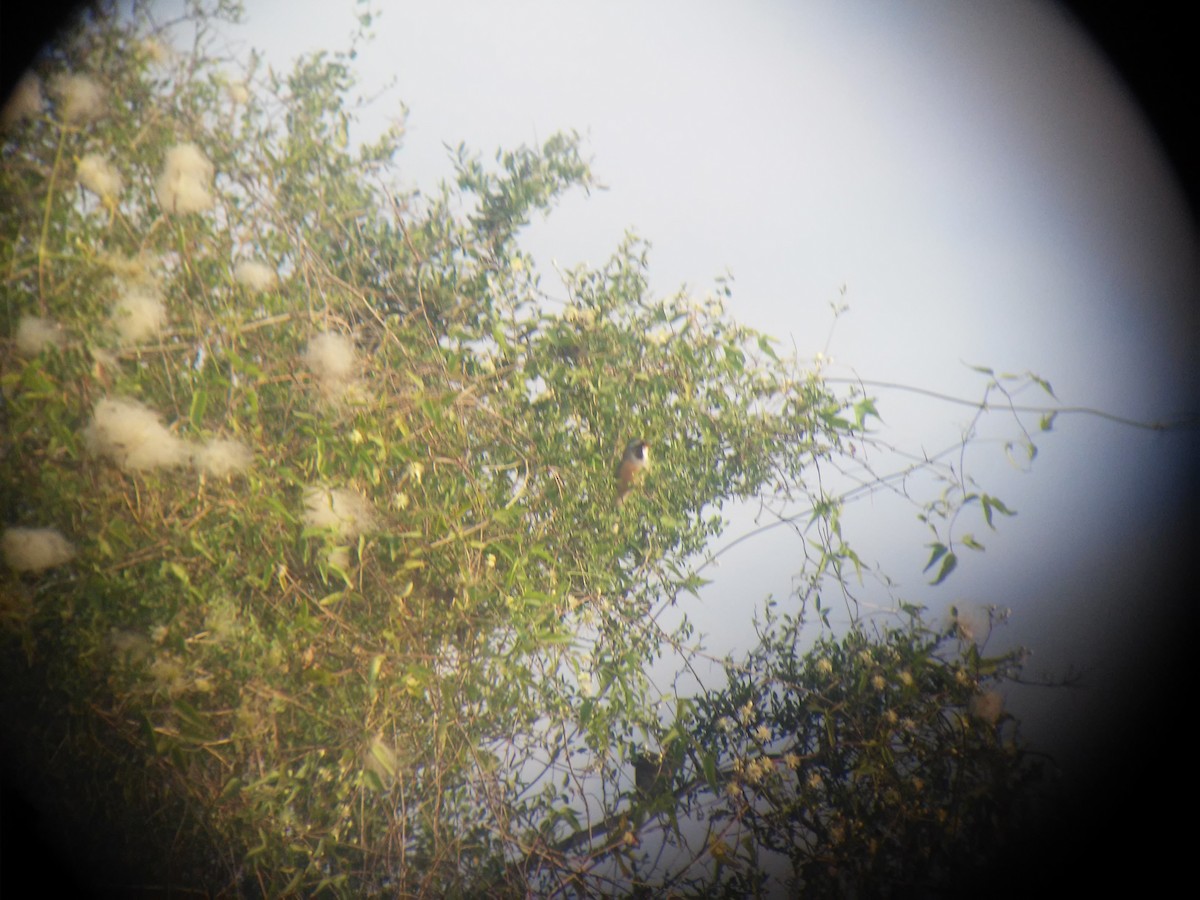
[
  {"x": 58, "y": 152},
  {"x": 1169, "y": 425}
]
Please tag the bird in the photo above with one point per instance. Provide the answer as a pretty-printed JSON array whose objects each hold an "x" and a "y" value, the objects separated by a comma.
[
  {"x": 648, "y": 774},
  {"x": 634, "y": 463}
]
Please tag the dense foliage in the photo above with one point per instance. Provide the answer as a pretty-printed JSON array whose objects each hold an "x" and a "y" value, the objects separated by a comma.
[{"x": 338, "y": 596}]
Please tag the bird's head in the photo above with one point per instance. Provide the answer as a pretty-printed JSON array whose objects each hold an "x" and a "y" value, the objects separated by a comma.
[{"x": 637, "y": 452}]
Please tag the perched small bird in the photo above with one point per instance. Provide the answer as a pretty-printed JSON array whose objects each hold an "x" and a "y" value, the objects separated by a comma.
[
  {"x": 648, "y": 775},
  {"x": 632, "y": 466},
  {"x": 655, "y": 772}
]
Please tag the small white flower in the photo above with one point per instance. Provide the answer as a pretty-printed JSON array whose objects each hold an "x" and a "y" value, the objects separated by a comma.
[
  {"x": 759, "y": 768},
  {"x": 746, "y": 713}
]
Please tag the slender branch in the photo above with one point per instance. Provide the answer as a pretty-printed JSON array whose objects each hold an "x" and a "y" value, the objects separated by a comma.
[
  {"x": 45, "y": 235},
  {"x": 1167, "y": 425}
]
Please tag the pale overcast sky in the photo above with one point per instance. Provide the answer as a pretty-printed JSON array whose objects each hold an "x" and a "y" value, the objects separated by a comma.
[{"x": 974, "y": 174}]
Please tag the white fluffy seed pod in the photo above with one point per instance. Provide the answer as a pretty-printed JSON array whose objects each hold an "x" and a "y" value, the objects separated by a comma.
[
  {"x": 35, "y": 549},
  {"x": 185, "y": 183},
  {"x": 131, "y": 434}
]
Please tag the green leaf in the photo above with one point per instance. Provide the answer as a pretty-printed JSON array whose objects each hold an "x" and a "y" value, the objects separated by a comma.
[
  {"x": 192, "y": 722},
  {"x": 992, "y": 503},
  {"x": 939, "y": 550},
  {"x": 1044, "y": 385},
  {"x": 295, "y": 882},
  {"x": 968, "y": 540},
  {"x": 384, "y": 755},
  {"x": 199, "y": 404},
  {"x": 259, "y": 848},
  {"x": 150, "y": 734},
  {"x": 178, "y": 571},
  {"x": 232, "y": 786},
  {"x": 862, "y": 409},
  {"x": 1030, "y": 452},
  {"x": 948, "y": 565},
  {"x": 373, "y": 673}
]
